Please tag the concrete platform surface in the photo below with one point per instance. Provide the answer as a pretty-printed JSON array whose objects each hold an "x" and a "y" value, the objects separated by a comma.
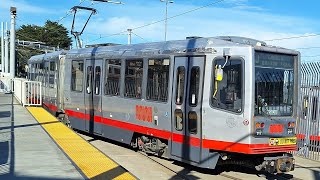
[
  {"x": 90, "y": 161},
  {"x": 306, "y": 169},
  {"x": 26, "y": 151}
]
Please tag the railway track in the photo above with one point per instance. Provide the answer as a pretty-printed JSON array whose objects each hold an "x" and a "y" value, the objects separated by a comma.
[
  {"x": 225, "y": 174},
  {"x": 172, "y": 169},
  {"x": 182, "y": 175}
]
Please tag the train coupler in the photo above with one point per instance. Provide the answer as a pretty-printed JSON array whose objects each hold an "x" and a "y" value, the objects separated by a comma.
[{"x": 279, "y": 164}]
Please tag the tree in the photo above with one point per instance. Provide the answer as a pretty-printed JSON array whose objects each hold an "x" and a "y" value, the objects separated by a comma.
[
  {"x": 56, "y": 35},
  {"x": 51, "y": 34}
]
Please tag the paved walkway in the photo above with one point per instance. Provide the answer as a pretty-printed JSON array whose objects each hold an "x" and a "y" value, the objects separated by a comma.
[
  {"x": 306, "y": 169},
  {"x": 92, "y": 162},
  {"x": 26, "y": 151}
]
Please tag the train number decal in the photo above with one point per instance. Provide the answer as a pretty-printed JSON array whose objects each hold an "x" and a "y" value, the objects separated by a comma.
[{"x": 144, "y": 113}]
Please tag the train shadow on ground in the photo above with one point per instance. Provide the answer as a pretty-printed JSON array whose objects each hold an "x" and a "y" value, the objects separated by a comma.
[
  {"x": 94, "y": 137},
  {"x": 228, "y": 168}
]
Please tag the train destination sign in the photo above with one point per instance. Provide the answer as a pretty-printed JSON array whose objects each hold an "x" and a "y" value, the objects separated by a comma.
[{"x": 274, "y": 60}]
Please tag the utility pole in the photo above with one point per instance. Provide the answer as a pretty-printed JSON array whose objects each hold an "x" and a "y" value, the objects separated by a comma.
[
  {"x": 6, "y": 50},
  {"x": 2, "y": 47},
  {"x": 13, "y": 11},
  {"x": 166, "y": 18},
  {"x": 129, "y": 35}
]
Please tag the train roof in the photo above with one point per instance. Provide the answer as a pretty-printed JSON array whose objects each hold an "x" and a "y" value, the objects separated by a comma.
[
  {"x": 197, "y": 44},
  {"x": 37, "y": 58},
  {"x": 54, "y": 55},
  {"x": 48, "y": 56},
  {"x": 166, "y": 47}
]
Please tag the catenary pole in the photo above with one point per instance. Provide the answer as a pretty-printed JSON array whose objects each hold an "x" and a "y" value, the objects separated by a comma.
[
  {"x": 6, "y": 50},
  {"x": 129, "y": 35},
  {"x": 13, "y": 11},
  {"x": 2, "y": 47}
]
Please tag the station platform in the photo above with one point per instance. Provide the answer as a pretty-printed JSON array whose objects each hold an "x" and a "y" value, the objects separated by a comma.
[{"x": 35, "y": 145}]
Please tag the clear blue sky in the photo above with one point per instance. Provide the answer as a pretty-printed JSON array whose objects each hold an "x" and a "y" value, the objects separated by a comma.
[{"x": 259, "y": 19}]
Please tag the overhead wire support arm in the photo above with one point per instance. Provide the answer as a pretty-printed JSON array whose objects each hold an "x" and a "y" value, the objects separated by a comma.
[
  {"x": 107, "y": 1},
  {"x": 75, "y": 33}
]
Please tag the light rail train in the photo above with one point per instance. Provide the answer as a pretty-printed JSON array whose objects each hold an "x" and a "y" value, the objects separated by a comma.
[{"x": 201, "y": 101}]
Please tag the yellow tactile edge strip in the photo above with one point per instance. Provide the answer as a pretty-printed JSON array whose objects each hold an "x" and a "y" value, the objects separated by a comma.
[{"x": 89, "y": 160}]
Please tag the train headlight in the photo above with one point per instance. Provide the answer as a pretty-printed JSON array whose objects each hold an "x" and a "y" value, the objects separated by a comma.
[
  {"x": 259, "y": 125},
  {"x": 291, "y": 124}
]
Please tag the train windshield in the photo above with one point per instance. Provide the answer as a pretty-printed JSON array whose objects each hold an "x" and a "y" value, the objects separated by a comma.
[{"x": 274, "y": 84}]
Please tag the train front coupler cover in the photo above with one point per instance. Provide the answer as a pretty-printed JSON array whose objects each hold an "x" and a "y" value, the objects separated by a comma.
[{"x": 277, "y": 164}]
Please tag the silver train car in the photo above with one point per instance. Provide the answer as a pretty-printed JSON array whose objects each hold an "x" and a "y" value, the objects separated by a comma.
[{"x": 201, "y": 101}]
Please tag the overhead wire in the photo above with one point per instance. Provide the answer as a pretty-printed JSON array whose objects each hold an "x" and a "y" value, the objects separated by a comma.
[
  {"x": 303, "y": 48},
  {"x": 172, "y": 17},
  {"x": 68, "y": 13},
  {"x": 294, "y": 37},
  {"x": 161, "y": 20},
  {"x": 312, "y": 56},
  {"x": 19, "y": 34},
  {"x": 53, "y": 29},
  {"x": 138, "y": 36}
]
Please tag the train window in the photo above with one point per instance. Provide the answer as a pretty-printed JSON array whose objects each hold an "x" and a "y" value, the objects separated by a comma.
[
  {"x": 158, "y": 78},
  {"x": 40, "y": 74},
  {"x": 133, "y": 78},
  {"x": 178, "y": 119},
  {"x": 52, "y": 71},
  {"x": 45, "y": 74},
  {"x": 192, "y": 122},
  {"x": 37, "y": 69},
  {"x": 97, "y": 80},
  {"x": 113, "y": 76},
  {"x": 180, "y": 85},
  {"x": 52, "y": 66},
  {"x": 77, "y": 76},
  {"x": 89, "y": 80},
  {"x": 227, "y": 92},
  {"x": 194, "y": 86},
  {"x": 40, "y": 68}
]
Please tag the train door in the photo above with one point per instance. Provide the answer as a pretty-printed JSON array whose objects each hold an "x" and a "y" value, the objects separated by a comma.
[
  {"x": 186, "y": 108},
  {"x": 93, "y": 104}
]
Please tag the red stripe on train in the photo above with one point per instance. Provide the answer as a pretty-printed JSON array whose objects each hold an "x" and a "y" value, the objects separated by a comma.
[
  {"x": 245, "y": 148},
  {"x": 206, "y": 143},
  {"x": 123, "y": 125},
  {"x": 51, "y": 106},
  {"x": 186, "y": 139}
]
